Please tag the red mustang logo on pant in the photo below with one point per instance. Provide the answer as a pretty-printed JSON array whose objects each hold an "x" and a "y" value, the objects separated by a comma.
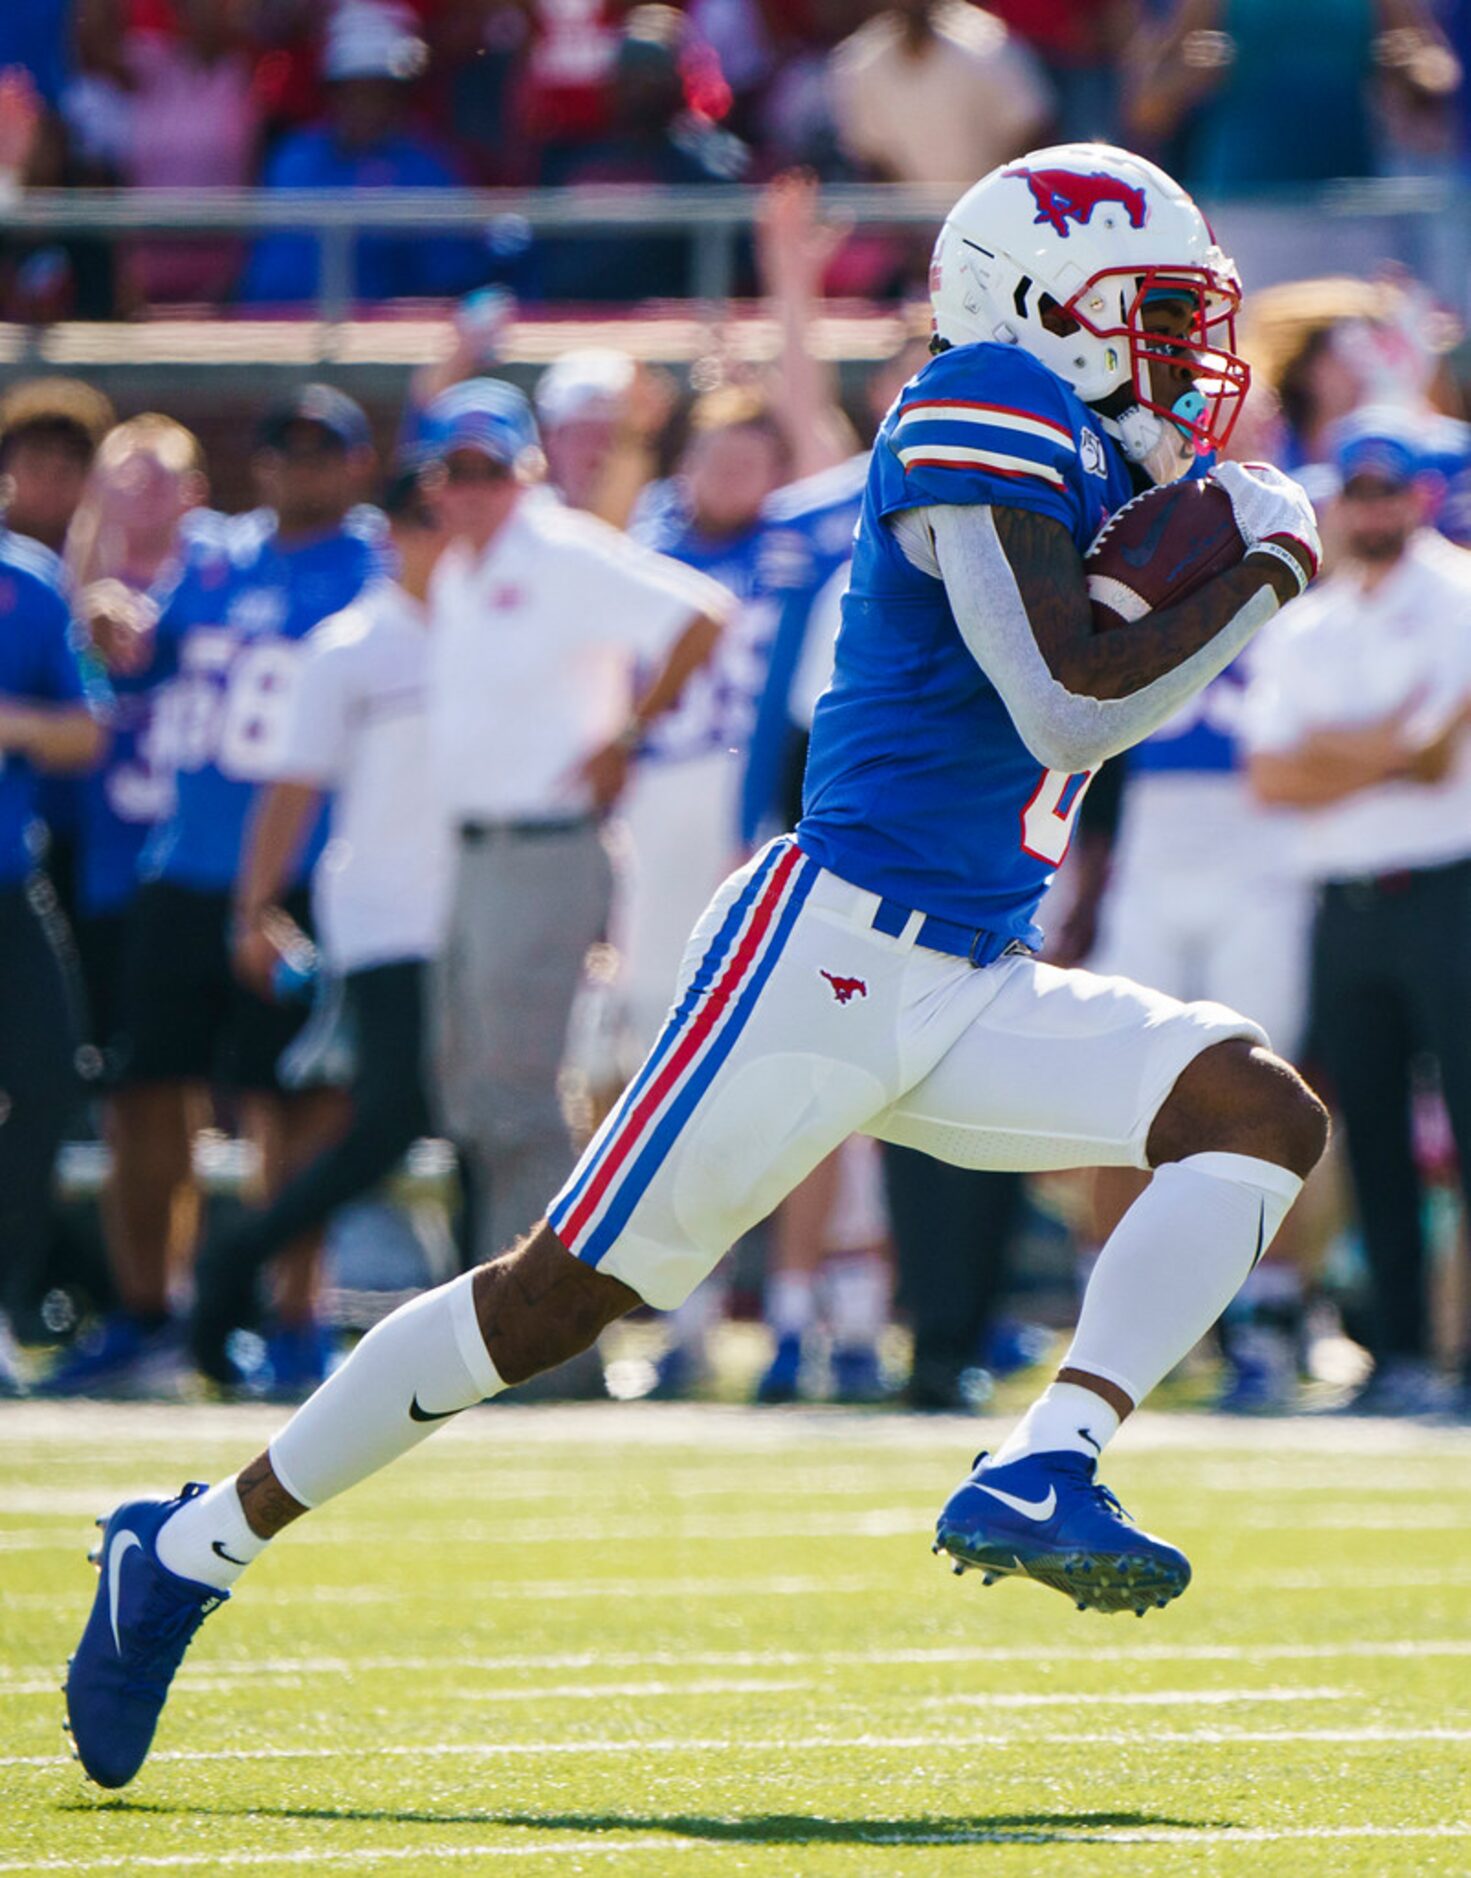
[
  {"x": 846, "y": 989},
  {"x": 1064, "y": 196}
]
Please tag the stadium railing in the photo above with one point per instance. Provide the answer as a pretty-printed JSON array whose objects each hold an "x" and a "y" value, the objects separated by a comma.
[{"x": 1423, "y": 221}]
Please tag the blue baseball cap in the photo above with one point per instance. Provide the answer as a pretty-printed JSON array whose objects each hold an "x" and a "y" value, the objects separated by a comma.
[
  {"x": 325, "y": 405},
  {"x": 1382, "y": 441},
  {"x": 484, "y": 414}
]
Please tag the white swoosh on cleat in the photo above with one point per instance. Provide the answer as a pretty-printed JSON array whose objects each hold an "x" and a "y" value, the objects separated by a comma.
[
  {"x": 115, "y": 1556},
  {"x": 1029, "y": 1509}
]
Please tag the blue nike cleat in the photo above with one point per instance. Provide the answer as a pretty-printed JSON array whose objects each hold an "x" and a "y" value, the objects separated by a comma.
[
  {"x": 857, "y": 1374},
  {"x": 1046, "y": 1517},
  {"x": 143, "y": 1619},
  {"x": 122, "y": 1358},
  {"x": 781, "y": 1379},
  {"x": 297, "y": 1362}
]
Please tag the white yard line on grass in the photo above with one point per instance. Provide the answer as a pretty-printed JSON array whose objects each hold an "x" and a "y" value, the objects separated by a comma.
[
  {"x": 503, "y": 1692},
  {"x": 731, "y": 1839},
  {"x": 1390, "y": 1649},
  {"x": 549, "y": 1590},
  {"x": 807, "y": 1744},
  {"x": 601, "y": 1691},
  {"x": 1138, "y": 1698},
  {"x": 868, "y": 1523},
  {"x": 708, "y": 1427},
  {"x": 888, "y": 1478}
]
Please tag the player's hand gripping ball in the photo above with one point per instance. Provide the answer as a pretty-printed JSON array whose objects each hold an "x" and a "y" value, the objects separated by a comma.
[{"x": 1167, "y": 542}]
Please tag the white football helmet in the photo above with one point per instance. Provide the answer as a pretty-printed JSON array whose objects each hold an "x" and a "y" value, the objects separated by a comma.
[{"x": 1059, "y": 253}]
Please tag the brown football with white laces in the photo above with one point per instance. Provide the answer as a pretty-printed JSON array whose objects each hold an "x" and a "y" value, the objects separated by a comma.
[{"x": 1158, "y": 548}]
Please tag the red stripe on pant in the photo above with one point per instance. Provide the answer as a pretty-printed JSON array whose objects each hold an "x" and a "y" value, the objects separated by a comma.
[{"x": 617, "y": 1150}]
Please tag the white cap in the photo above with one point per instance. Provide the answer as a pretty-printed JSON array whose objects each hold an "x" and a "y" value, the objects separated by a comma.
[
  {"x": 372, "y": 39},
  {"x": 590, "y": 383}
]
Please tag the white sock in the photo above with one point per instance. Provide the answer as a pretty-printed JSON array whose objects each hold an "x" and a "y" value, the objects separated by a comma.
[
  {"x": 857, "y": 1285},
  {"x": 428, "y": 1359},
  {"x": 789, "y": 1305},
  {"x": 209, "y": 1539},
  {"x": 1170, "y": 1267},
  {"x": 1065, "y": 1415}
]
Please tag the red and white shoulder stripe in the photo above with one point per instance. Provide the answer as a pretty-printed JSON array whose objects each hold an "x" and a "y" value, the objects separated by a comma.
[{"x": 966, "y": 433}]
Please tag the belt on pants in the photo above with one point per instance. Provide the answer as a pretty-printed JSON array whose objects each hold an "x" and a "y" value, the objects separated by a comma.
[
  {"x": 1361, "y": 890},
  {"x": 976, "y": 944},
  {"x": 529, "y": 828}
]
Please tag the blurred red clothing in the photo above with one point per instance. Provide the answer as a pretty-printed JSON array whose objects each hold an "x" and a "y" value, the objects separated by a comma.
[
  {"x": 1074, "y": 31},
  {"x": 192, "y": 125}
]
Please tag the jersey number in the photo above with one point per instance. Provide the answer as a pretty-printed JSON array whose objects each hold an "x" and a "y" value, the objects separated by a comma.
[
  {"x": 1047, "y": 819},
  {"x": 241, "y": 724}
]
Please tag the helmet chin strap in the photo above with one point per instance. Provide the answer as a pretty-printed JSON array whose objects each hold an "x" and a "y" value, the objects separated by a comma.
[{"x": 1163, "y": 450}]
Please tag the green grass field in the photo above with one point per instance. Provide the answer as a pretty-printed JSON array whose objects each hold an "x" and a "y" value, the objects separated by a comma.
[{"x": 662, "y": 1640}]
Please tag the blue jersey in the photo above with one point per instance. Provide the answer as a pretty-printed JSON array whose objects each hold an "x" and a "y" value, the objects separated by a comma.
[
  {"x": 416, "y": 262},
  {"x": 229, "y": 646},
  {"x": 919, "y": 786},
  {"x": 718, "y": 705},
  {"x": 38, "y": 665},
  {"x": 133, "y": 787},
  {"x": 810, "y": 531}
]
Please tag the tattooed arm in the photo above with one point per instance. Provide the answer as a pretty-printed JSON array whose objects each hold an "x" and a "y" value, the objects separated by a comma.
[
  {"x": 1050, "y": 580},
  {"x": 1015, "y": 582}
]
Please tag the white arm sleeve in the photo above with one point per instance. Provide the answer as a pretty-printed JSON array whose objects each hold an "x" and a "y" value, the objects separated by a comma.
[{"x": 1063, "y": 730}]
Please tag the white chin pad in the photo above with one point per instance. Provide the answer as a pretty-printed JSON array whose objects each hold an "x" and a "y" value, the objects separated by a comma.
[{"x": 1157, "y": 447}]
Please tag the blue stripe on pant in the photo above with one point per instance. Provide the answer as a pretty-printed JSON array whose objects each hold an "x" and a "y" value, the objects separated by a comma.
[
  {"x": 600, "y": 1238},
  {"x": 700, "y": 983}
]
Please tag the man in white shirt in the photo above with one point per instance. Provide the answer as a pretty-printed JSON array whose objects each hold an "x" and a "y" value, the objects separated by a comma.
[
  {"x": 543, "y": 618},
  {"x": 1356, "y": 718},
  {"x": 356, "y": 729}
]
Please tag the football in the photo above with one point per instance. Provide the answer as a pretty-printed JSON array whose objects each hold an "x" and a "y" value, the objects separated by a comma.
[{"x": 1159, "y": 547}]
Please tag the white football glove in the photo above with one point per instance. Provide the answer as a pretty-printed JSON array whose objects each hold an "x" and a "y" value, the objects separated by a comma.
[{"x": 1272, "y": 510}]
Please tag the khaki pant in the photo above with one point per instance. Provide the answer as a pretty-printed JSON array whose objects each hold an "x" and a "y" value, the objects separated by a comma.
[{"x": 526, "y": 907}]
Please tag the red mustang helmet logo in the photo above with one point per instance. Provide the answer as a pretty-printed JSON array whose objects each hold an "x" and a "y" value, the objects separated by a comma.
[
  {"x": 1064, "y": 196},
  {"x": 846, "y": 989}
]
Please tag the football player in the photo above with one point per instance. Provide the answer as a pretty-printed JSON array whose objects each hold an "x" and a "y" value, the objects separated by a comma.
[
  {"x": 875, "y": 971},
  {"x": 226, "y": 647}
]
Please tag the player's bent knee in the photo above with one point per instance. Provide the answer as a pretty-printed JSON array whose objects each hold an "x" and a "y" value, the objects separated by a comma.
[
  {"x": 1240, "y": 1098},
  {"x": 538, "y": 1306}
]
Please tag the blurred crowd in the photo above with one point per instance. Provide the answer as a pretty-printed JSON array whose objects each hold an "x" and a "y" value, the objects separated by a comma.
[
  {"x": 297, "y": 853},
  {"x": 1234, "y": 96}
]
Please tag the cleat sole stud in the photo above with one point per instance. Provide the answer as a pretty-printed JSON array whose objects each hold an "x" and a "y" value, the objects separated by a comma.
[
  {"x": 989, "y": 1579},
  {"x": 94, "y": 1555},
  {"x": 958, "y": 1567}
]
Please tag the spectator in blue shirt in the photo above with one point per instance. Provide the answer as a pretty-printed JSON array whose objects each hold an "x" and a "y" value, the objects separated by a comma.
[
  {"x": 46, "y": 725},
  {"x": 369, "y": 60},
  {"x": 34, "y": 36},
  {"x": 226, "y": 642}
]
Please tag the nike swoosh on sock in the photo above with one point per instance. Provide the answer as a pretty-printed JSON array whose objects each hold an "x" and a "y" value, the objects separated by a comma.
[
  {"x": 417, "y": 1414},
  {"x": 1261, "y": 1233}
]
